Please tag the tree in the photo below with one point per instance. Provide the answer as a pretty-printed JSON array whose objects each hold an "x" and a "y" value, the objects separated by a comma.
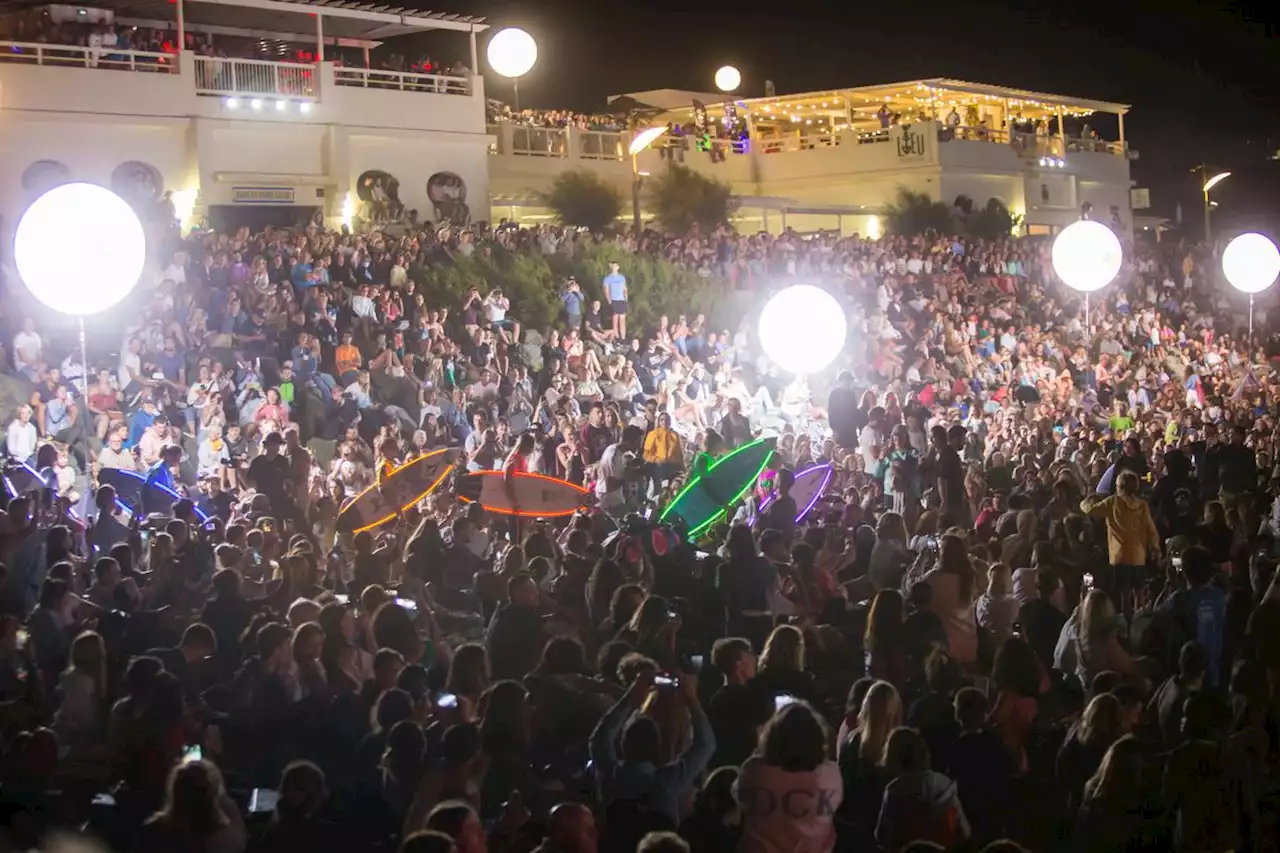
[
  {"x": 682, "y": 198},
  {"x": 915, "y": 213},
  {"x": 581, "y": 199},
  {"x": 993, "y": 222}
]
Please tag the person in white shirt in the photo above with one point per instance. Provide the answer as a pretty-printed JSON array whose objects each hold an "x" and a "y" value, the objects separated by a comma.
[
  {"x": 129, "y": 374},
  {"x": 362, "y": 305},
  {"x": 496, "y": 306},
  {"x": 115, "y": 456},
  {"x": 176, "y": 272},
  {"x": 617, "y": 486},
  {"x": 28, "y": 349},
  {"x": 871, "y": 440},
  {"x": 20, "y": 440},
  {"x": 484, "y": 389}
]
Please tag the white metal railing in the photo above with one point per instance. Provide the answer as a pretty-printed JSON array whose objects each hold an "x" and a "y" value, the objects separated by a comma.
[
  {"x": 601, "y": 145},
  {"x": 219, "y": 76},
  {"x": 405, "y": 81},
  {"x": 539, "y": 142},
  {"x": 75, "y": 56},
  {"x": 799, "y": 142}
]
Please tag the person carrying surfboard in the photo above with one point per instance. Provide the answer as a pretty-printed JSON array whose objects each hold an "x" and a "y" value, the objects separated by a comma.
[{"x": 517, "y": 463}]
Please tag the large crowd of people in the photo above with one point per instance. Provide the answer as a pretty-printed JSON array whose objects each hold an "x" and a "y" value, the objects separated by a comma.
[{"x": 1035, "y": 610}]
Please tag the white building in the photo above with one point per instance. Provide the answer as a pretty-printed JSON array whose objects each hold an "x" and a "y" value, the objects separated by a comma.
[
  {"x": 323, "y": 133},
  {"x": 314, "y": 134},
  {"x": 835, "y": 159}
]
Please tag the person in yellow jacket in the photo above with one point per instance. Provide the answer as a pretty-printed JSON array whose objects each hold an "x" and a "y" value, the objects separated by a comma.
[
  {"x": 1131, "y": 534},
  {"x": 663, "y": 455}
]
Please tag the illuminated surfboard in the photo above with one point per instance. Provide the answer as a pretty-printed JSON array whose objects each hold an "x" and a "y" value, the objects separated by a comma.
[
  {"x": 808, "y": 488},
  {"x": 400, "y": 489},
  {"x": 709, "y": 496},
  {"x": 536, "y": 495},
  {"x": 132, "y": 491}
]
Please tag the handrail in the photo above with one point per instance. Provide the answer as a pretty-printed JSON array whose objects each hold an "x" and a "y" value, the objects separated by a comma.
[
  {"x": 405, "y": 81},
  {"x": 79, "y": 56},
  {"x": 217, "y": 75},
  {"x": 529, "y": 141},
  {"x": 601, "y": 145}
]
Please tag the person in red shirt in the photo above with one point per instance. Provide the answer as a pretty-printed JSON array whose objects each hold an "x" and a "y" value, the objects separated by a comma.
[{"x": 517, "y": 463}]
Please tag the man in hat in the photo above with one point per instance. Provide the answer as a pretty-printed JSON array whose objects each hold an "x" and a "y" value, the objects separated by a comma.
[{"x": 269, "y": 474}]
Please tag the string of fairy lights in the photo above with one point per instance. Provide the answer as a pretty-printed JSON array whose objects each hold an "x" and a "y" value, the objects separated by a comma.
[{"x": 837, "y": 112}]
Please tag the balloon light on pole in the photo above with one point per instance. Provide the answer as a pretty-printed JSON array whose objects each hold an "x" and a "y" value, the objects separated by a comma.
[
  {"x": 512, "y": 52},
  {"x": 97, "y": 269},
  {"x": 1251, "y": 263},
  {"x": 1087, "y": 256},
  {"x": 802, "y": 329},
  {"x": 728, "y": 78}
]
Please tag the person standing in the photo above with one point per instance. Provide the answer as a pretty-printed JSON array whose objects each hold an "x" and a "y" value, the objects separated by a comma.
[{"x": 615, "y": 290}]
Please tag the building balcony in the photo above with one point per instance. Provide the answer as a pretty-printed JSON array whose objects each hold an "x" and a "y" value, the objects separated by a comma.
[{"x": 78, "y": 79}]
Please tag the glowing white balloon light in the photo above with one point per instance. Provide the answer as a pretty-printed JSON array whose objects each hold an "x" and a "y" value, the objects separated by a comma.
[
  {"x": 512, "y": 52},
  {"x": 1087, "y": 255},
  {"x": 802, "y": 329},
  {"x": 1251, "y": 263},
  {"x": 728, "y": 79},
  {"x": 98, "y": 267}
]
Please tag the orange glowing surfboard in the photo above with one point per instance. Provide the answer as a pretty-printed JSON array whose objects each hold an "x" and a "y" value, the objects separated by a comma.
[
  {"x": 536, "y": 495},
  {"x": 400, "y": 489}
]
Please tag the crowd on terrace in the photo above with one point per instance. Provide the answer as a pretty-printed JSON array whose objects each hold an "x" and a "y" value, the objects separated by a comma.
[
  {"x": 41, "y": 29},
  {"x": 1038, "y": 611}
]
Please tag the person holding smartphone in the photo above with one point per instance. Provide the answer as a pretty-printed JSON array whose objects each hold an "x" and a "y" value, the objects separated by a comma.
[{"x": 638, "y": 772}]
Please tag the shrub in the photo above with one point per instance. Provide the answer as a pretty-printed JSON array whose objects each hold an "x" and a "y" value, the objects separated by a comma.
[
  {"x": 580, "y": 198},
  {"x": 682, "y": 198},
  {"x": 916, "y": 213},
  {"x": 532, "y": 282}
]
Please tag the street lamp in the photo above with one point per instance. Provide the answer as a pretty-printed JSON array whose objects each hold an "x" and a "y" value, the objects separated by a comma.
[
  {"x": 1087, "y": 256},
  {"x": 1208, "y": 183},
  {"x": 512, "y": 52},
  {"x": 728, "y": 78},
  {"x": 640, "y": 142},
  {"x": 94, "y": 272},
  {"x": 1251, "y": 263}
]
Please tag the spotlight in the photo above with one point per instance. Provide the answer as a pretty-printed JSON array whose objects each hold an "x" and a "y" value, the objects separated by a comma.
[
  {"x": 304, "y": 107},
  {"x": 232, "y": 103},
  {"x": 1044, "y": 162},
  {"x": 256, "y": 103},
  {"x": 281, "y": 106}
]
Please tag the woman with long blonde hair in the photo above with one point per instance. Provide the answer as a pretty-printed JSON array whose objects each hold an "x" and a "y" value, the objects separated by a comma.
[
  {"x": 861, "y": 754},
  {"x": 80, "y": 721},
  {"x": 954, "y": 583},
  {"x": 781, "y": 670},
  {"x": 1097, "y": 646}
]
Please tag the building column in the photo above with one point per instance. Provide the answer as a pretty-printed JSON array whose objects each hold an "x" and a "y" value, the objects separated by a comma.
[
  {"x": 475, "y": 55},
  {"x": 1062, "y": 132},
  {"x": 182, "y": 27},
  {"x": 366, "y": 58},
  {"x": 319, "y": 37},
  {"x": 1120, "y": 116}
]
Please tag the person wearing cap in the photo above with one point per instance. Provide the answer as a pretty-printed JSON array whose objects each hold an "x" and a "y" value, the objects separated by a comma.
[{"x": 269, "y": 473}]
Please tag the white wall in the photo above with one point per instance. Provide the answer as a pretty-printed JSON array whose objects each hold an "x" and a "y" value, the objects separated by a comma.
[
  {"x": 90, "y": 146},
  {"x": 413, "y": 158},
  {"x": 93, "y": 119}
]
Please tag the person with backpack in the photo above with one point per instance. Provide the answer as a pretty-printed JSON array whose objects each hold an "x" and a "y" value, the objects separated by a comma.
[{"x": 919, "y": 804}]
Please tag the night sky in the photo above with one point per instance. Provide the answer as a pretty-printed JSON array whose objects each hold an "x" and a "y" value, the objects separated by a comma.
[{"x": 1202, "y": 76}]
